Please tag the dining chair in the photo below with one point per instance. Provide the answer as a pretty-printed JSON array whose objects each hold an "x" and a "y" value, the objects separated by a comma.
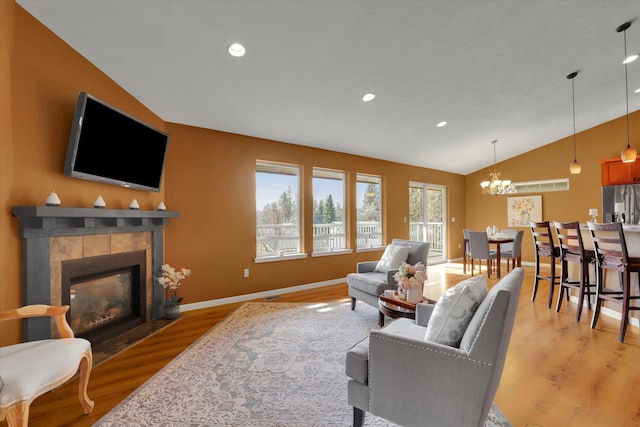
[
  {"x": 572, "y": 249},
  {"x": 479, "y": 245},
  {"x": 467, "y": 250},
  {"x": 611, "y": 254},
  {"x": 511, "y": 232},
  {"x": 512, "y": 252},
  {"x": 544, "y": 246}
]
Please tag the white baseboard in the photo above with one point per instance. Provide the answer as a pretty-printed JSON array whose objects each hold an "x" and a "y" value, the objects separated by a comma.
[
  {"x": 603, "y": 310},
  {"x": 275, "y": 292},
  {"x": 257, "y": 295},
  {"x": 608, "y": 312}
]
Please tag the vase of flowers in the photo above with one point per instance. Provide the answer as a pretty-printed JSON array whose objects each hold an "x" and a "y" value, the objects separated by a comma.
[
  {"x": 410, "y": 280},
  {"x": 170, "y": 280}
]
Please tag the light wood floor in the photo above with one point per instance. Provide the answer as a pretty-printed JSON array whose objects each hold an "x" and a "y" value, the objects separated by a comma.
[{"x": 558, "y": 372}]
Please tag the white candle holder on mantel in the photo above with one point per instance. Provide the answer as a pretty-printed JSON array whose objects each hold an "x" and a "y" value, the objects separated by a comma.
[
  {"x": 53, "y": 200},
  {"x": 134, "y": 205},
  {"x": 99, "y": 203},
  {"x": 161, "y": 207}
]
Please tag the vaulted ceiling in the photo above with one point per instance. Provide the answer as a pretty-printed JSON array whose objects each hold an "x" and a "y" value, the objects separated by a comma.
[{"x": 491, "y": 69}]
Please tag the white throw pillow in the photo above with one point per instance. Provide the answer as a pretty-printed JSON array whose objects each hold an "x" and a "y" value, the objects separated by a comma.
[
  {"x": 454, "y": 311},
  {"x": 392, "y": 258}
]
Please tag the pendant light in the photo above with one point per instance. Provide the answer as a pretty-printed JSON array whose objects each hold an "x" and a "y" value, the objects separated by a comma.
[
  {"x": 574, "y": 167},
  {"x": 629, "y": 154}
]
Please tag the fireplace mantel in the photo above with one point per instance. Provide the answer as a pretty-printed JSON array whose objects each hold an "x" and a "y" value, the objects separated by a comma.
[
  {"x": 45, "y": 221},
  {"x": 39, "y": 224}
]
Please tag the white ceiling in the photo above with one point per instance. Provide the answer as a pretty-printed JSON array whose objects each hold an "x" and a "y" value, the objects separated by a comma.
[{"x": 492, "y": 69}]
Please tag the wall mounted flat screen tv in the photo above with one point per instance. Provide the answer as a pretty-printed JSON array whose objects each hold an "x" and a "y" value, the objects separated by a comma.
[{"x": 109, "y": 146}]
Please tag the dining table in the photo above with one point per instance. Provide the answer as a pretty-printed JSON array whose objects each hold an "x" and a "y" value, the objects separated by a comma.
[{"x": 495, "y": 239}]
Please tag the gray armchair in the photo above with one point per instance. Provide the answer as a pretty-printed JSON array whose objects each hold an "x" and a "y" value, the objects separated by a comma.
[
  {"x": 398, "y": 375},
  {"x": 367, "y": 285}
]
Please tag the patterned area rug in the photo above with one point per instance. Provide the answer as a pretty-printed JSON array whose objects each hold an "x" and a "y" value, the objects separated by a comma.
[{"x": 267, "y": 364}]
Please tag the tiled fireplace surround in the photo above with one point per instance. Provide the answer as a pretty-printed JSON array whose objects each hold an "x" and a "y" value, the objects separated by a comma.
[
  {"x": 52, "y": 235},
  {"x": 65, "y": 248}
]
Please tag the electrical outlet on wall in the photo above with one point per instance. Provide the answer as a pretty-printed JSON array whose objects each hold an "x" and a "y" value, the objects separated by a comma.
[{"x": 246, "y": 272}]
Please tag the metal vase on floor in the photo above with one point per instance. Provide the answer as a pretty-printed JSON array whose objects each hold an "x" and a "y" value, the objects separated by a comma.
[{"x": 171, "y": 311}]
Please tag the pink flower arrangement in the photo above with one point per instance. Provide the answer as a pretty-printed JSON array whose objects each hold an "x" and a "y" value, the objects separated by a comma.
[{"x": 411, "y": 276}]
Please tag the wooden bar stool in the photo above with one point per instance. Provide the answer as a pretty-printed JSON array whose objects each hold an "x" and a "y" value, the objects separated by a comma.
[
  {"x": 544, "y": 247},
  {"x": 611, "y": 252},
  {"x": 572, "y": 250}
]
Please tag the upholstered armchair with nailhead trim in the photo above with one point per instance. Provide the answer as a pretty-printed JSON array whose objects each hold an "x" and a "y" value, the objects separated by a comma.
[{"x": 405, "y": 374}]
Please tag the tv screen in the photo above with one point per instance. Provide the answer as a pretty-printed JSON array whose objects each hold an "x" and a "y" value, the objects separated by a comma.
[{"x": 107, "y": 145}]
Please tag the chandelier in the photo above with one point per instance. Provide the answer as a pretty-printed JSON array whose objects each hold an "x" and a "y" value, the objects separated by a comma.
[{"x": 496, "y": 185}]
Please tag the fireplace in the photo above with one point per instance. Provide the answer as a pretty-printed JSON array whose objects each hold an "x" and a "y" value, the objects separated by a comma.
[
  {"x": 106, "y": 294},
  {"x": 57, "y": 236}
]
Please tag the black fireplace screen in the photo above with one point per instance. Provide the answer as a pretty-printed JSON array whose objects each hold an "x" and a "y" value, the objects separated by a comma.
[
  {"x": 106, "y": 294},
  {"x": 94, "y": 303}
]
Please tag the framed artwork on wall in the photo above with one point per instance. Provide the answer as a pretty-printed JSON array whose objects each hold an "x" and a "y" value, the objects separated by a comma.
[{"x": 521, "y": 210}]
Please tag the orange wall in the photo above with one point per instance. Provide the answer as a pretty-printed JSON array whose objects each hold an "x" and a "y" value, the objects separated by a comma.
[
  {"x": 40, "y": 77},
  {"x": 10, "y": 270},
  {"x": 551, "y": 162},
  {"x": 209, "y": 176},
  {"x": 210, "y": 179}
]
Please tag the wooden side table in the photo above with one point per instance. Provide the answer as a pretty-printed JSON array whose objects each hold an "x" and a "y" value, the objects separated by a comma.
[{"x": 395, "y": 308}]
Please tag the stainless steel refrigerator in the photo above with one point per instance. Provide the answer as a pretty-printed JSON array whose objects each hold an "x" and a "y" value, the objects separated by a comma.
[{"x": 629, "y": 195}]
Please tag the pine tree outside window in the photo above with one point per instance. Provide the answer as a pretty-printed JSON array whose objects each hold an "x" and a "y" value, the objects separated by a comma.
[
  {"x": 369, "y": 211},
  {"x": 277, "y": 210},
  {"x": 329, "y": 228}
]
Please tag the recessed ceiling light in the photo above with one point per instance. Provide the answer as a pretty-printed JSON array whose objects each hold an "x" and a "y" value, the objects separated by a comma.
[
  {"x": 237, "y": 50},
  {"x": 637, "y": 90},
  {"x": 630, "y": 59},
  {"x": 369, "y": 97},
  {"x": 442, "y": 123}
]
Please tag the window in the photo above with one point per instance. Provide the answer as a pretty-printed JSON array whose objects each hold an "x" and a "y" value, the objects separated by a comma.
[
  {"x": 560, "y": 184},
  {"x": 329, "y": 232},
  {"x": 369, "y": 210},
  {"x": 277, "y": 210},
  {"x": 427, "y": 204}
]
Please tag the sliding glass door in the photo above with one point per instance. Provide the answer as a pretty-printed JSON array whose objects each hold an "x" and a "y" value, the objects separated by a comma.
[{"x": 427, "y": 218}]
